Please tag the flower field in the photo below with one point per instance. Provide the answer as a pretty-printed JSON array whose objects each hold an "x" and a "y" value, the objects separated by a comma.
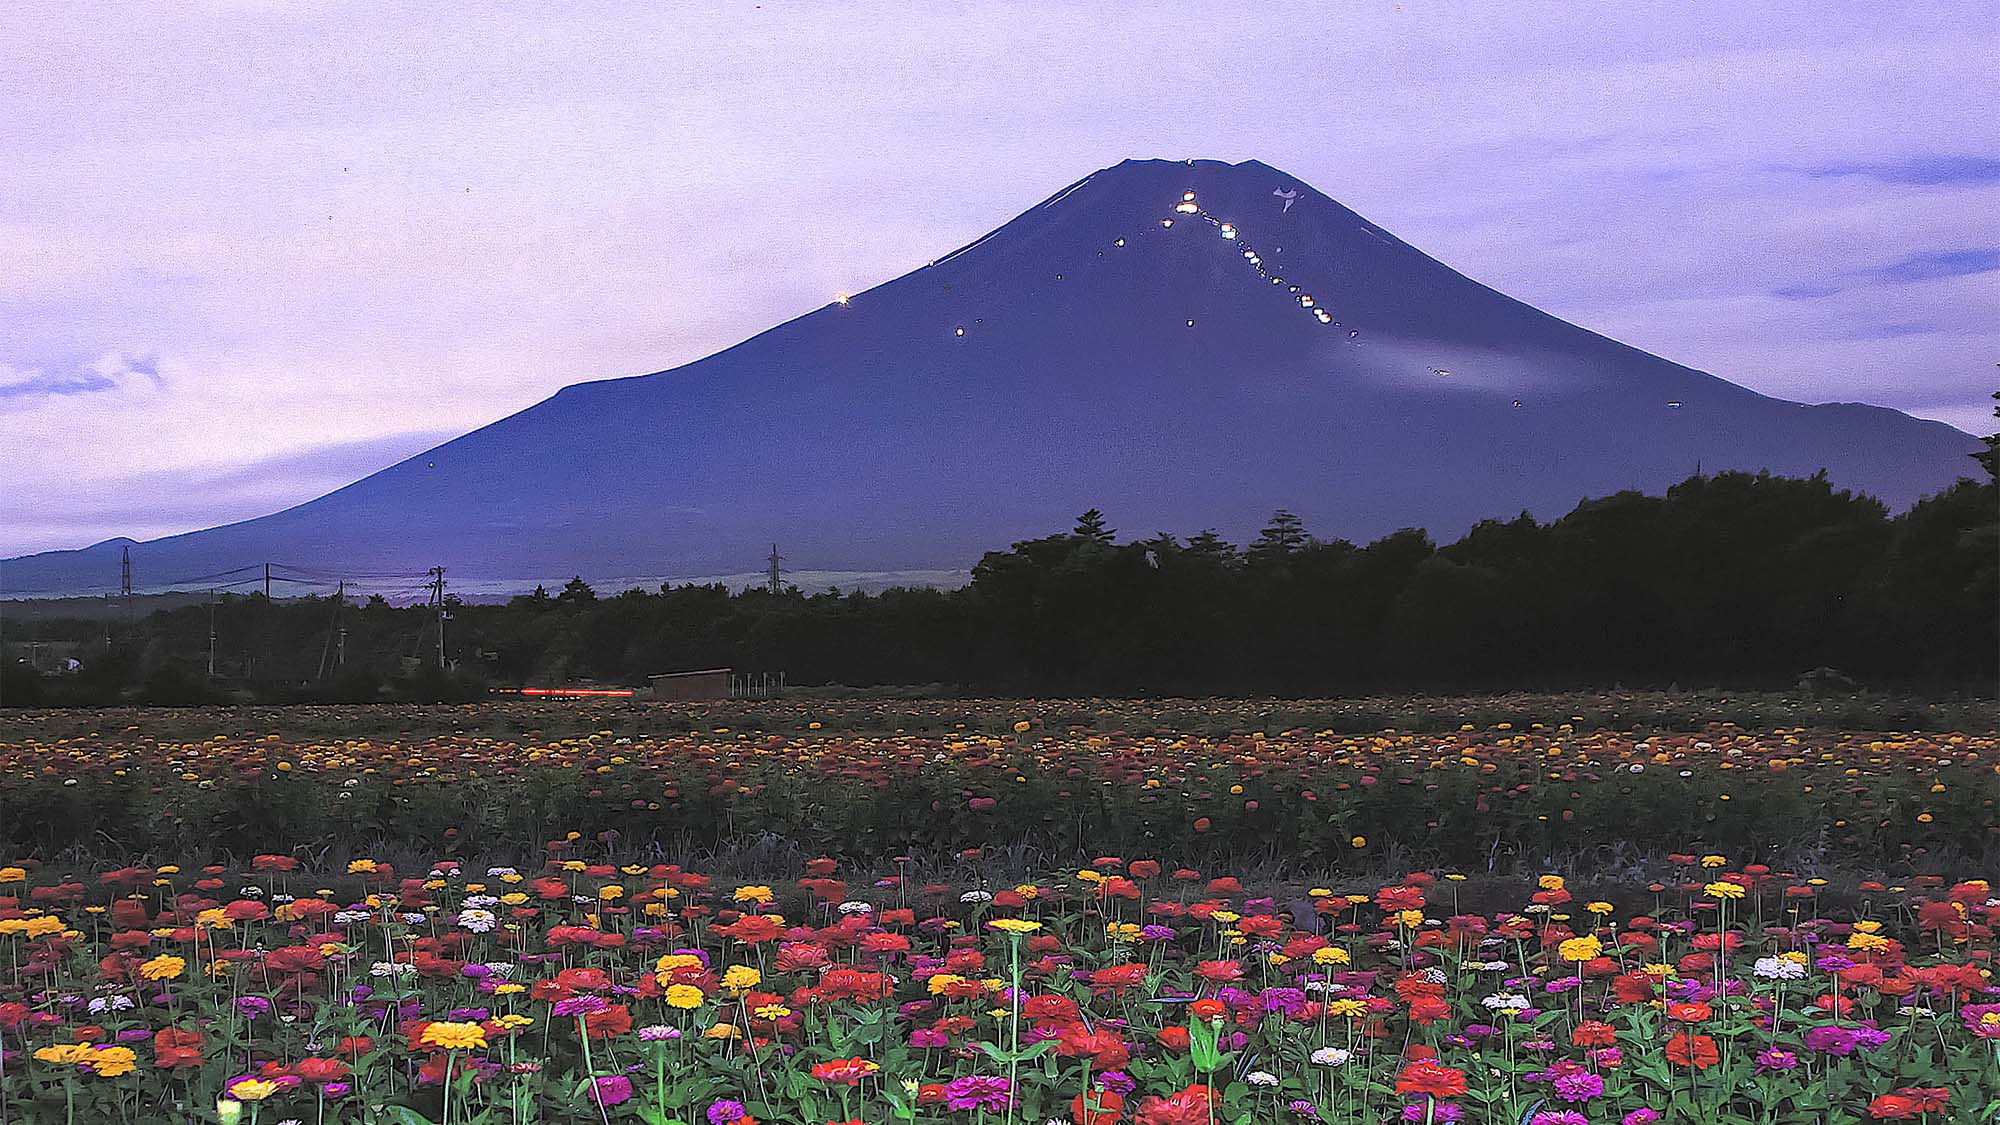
[
  {"x": 577, "y": 990},
  {"x": 1182, "y": 913},
  {"x": 1513, "y": 789}
]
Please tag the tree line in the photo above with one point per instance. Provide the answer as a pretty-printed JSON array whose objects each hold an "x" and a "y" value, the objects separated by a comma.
[{"x": 1735, "y": 579}]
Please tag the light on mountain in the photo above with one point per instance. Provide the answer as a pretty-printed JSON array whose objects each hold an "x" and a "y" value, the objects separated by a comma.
[
  {"x": 1166, "y": 222},
  {"x": 1228, "y": 231},
  {"x": 840, "y": 299},
  {"x": 1120, "y": 242},
  {"x": 959, "y": 331}
]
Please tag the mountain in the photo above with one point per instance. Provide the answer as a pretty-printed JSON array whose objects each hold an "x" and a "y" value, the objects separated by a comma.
[{"x": 1185, "y": 345}]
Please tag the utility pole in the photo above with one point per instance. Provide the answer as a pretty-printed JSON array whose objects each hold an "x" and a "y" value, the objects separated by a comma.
[
  {"x": 211, "y": 634},
  {"x": 125, "y": 580},
  {"x": 267, "y": 582},
  {"x": 339, "y": 600},
  {"x": 437, "y": 599},
  {"x": 777, "y": 585}
]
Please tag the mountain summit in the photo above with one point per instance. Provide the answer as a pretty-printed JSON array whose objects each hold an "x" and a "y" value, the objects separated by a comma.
[{"x": 1185, "y": 345}]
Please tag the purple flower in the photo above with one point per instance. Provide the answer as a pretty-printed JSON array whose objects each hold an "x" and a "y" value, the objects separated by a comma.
[
  {"x": 929, "y": 1037},
  {"x": 611, "y": 1089},
  {"x": 1559, "y": 1117},
  {"x": 1304, "y": 1109},
  {"x": 726, "y": 1112},
  {"x": 1579, "y": 1087},
  {"x": 659, "y": 1033},
  {"x": 1640, "y": 1117},
  {"x": 979, "y": 1091},
  {"x": 1776, "y": 1058},
  {"x": 1438, "y": 1111},
  {"x": 1830, "y": 1040},
  {"x": 581, "y": 1005},
  {"x": 1117, "y": 1081},
  {"x": 252, "y": 1006}
]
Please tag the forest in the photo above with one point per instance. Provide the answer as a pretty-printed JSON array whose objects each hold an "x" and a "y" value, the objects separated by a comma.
[{"x": 1735, "y": 579}]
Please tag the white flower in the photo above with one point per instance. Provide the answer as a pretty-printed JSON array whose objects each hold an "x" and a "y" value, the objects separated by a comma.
[
  {"x": 1331, "y": 1056},
  {"x": 975, "y": 897},
  {"x": 1504, "y": 1002},
  {"x": 499, "y": 872},
  {"x": 103, "y": 1004},
  {"x": 249, "y": 892},
  {"x": 1638, "y": 767},
  {"x": 392, "y": 969},
  {"x": 481, "y": 902},
  {"x": 500, "y": 968},
  {"x": 1261, "y": 1078},
  {"x": 857, "y": 907},
  {"x": 349, "y": 917},
  {"x": 478, "y": 921},
  {"x": 1777, "y": 968}
]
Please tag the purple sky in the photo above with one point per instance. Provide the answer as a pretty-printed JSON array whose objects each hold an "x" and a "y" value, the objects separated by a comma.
[{"x": 250, "y": 251}]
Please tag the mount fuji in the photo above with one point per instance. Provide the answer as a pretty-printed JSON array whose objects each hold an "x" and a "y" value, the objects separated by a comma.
[{"x": 1185, "y": 345}]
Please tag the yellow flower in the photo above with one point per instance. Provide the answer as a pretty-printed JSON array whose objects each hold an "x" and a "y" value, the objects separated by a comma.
[
  {"x": 1410, "y": 919},
  {"x": 611, "y": 892},
  {"x": 721, "y": 1031},
  {"x": 252, "y": 1089},
  {"x": 1599, "y": 907},
  {"x": 1866, "y": 942},
  {"x": 1723, "y": 890},
  {"x": 739, "y": 977},
  {"x": 1348, "y": 1009},
  {"x": 772, "y": 1012},
  {"x": 66, "y": 1054},
  {"x": 1550, "y": 882},
  {"x": 355, "y": 867},
  {"x": 942, "y": 981},
  {"x": 1359, "y": 841},
  {"x": 1021, "y": 727},
  {"x": 753, "y": 893},
  {"x": 1330, "y": 955},
  {"x": 110, "y": 1062},
  {"x": 513, "y": 1021},
  {"x": 1088, "y": 876},
  {"x": 684, "y": 996},
  {"x": 163, "y": 967},
  {"x": 1585, "y": 948},
  {"x": 1713, "y": 861},
  {"x": 668, "y": 962},
  {"x": 1015, "y": 925},
  {"x": 214, "y": 919},
  {"x": 508, "y": 989},
  {"x": 454, "y": 1036},
  {"x": 13, "y": 874}
]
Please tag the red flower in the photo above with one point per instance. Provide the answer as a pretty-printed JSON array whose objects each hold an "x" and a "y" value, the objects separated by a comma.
[
  {"x": 321, "y": 1070},
  {"x": 1430, "y": 1078},
  {"x": 1105, "y": 1049},
  {"x": 1892, "y": 1107},
  {"x": 1189, "y": 1107},
  {"x": 1174, "y": 1038},
  {"x": 1697, "y": 1051},
  {"x": 1219, "y": 970},
  {"x": 1099, "y": 1107},
  {"x": 1594, "y": 1033},
  {"x": 607, "y": 1022},
  {"x": 175, "y": 1048},
  {"x": 844, "y": 1072}
]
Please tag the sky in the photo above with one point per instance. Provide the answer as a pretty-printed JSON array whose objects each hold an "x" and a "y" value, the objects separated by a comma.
[{"x": 253, "y": 250}]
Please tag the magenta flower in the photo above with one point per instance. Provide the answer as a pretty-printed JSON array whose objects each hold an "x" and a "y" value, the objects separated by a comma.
[{"x": 979, "y": 1091}]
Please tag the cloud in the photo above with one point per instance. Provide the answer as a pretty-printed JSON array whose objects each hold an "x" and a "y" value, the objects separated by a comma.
[
  {"x": 1927, "y": 170},
  {"x": 107, "y": 373},
  {"x": 152, "y": 503},
  {"x": 1930, "y": 265}
]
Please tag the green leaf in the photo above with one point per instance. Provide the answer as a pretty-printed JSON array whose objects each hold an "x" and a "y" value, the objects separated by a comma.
[{"x": 404, "y": 1115}]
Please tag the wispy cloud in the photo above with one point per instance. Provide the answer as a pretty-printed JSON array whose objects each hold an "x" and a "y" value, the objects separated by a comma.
[
  {"x": 1929, "y": 265},
  {"x": 1927, "y": 170},
  {"x": 107, "y": 373}
]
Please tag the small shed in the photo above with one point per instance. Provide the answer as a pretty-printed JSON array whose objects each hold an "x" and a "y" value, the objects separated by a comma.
[{"x": 709, "y": 683}]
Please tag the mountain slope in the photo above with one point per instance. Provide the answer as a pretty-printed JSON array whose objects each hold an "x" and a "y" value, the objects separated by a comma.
[{"x": 1051, "y": 366}]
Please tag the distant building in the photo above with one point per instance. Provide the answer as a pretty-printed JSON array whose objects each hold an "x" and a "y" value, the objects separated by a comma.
[{"x": 709, "y": 683}]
